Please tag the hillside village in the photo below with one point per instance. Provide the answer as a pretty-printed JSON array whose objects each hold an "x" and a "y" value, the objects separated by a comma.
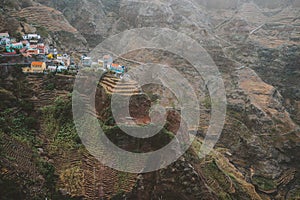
[{"x": 37, "y": 57}]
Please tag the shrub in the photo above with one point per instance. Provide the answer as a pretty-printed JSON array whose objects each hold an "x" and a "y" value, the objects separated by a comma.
[
  {"x": 20, "y": 126},
  {"x": 26, "y": 106},
  {"x": 42, "y": 31},
  {"x": 30, "y": 122},
  {"x": 48, "y": 172},
  {"x": 50, "y": 86}
]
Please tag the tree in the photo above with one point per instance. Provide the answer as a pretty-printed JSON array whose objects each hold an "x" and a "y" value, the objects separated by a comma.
[{"x": 18, "y": 36}]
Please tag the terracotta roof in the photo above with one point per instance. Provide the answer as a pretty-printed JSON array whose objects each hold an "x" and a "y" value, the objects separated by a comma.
[
  {"x": 115, "y": 65},
  {"x": 107, "y": 57},
  {"x": 37, "y": 63}
]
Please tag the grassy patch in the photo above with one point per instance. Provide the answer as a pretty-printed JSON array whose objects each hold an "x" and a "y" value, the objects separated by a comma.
[
  {"x": 72, "y": 178},
  {"x": 122, "y": 182},
  {"x": 50, "y": 86},
  {"x": 20, "y": 126},
  {"x": 48, "y": 172},
  {"x": 59, "y": 127},
  {"x": 220, "y": 183},
  {"x": 207, "y": 102},
  {"x": 42, "y": 31},
  {"x": 264, "y": 183}
]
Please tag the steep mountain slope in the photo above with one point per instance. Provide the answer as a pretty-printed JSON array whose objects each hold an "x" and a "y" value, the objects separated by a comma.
[
  {"x": 97, "y": 20},
  {"x": 23, "y": 17},
  {"x": 254, "y": 43},
  {"x": 262, "y": 35},
  {"x": 90, "y": 17}
]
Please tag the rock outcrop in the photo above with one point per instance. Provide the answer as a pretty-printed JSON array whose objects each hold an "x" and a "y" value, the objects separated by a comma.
[{"x": 266, "y": 99}]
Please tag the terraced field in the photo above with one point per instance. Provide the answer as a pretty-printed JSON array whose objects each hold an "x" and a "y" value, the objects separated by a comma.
[
  {"x": 46, "y": 17},
  {"x": 18, "y": 162},
  {"x": 116, "y": 85},
  {"x": 43, "y": 97},
  {"x": 80, "y": 174}
]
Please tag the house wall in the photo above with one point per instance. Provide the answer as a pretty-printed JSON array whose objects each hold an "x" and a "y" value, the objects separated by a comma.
[{"x": 35, "y": 68}]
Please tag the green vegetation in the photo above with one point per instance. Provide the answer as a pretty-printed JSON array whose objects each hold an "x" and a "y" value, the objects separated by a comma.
[
  {"x": 42, "y": 31},
  {"x": 9, "y": 189},
  {"x": 26, "y": 106},
  {"x": 5, "y": 93},
  {"x": 263, "y": 183},
  {"x": 12, "y": 4},
  {"x": 73, "y": 177},
  {"x": 221, "y": 184},
  {"x": 207, "y": 102},
  {"x": 17, "y": 35},
  {"x": 50, "y": 86},
  {"x": 48, "y": 172},
  {"x": 19, "y": 128},
  {"x": 122, "y": 181},
  {"x": 20, "y": 125},
  {"x": 154, "y": 97},
  {"x": 67, "y": 137},
  {"x": 119, "y": 195},
  {"x": 7, "y": 98},
  {"x": 59, "y": 126}
]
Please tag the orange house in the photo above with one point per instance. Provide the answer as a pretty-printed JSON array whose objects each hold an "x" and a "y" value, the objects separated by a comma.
[{"x": 36, "y": 67}]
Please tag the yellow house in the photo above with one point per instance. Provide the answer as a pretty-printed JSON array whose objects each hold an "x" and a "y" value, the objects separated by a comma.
[
  {"x": 50, "y": 56},
  {"x": 36, "y": 67}
]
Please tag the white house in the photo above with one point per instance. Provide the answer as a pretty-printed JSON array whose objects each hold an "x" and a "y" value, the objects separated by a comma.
[
  {"x": 107, "y": 61},
  {"x": 31, "y": 36},
  {"x": 87, "y": 61}
]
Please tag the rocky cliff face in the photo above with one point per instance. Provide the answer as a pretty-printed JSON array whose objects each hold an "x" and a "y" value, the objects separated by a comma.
[{"x": 266, "y": 130}]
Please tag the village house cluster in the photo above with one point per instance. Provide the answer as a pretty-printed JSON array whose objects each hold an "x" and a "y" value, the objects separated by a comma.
[
  {"x": 106, "y": 64},
  {"x": 31, "y": 44},
  {"x": 43, "y": 57}
]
